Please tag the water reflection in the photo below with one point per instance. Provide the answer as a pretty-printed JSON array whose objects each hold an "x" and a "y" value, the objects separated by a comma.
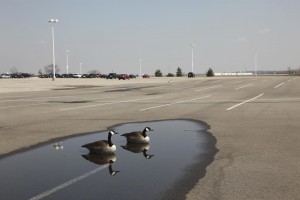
[
  {"x": 103, "y": 159},
  {"x": 58, "y": 146},
  {"x": 138, "y": 148}
]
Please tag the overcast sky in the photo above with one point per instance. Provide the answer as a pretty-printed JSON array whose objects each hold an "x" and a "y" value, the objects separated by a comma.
[{"x": 113, "y": 35}]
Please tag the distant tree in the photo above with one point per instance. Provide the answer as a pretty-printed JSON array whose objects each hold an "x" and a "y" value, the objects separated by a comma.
[
  {"x": 40, "y": 72},
  {"x": 14, "y": 70},
  {"x": 170, "y": 75},
  {"x": 210, "y": 73},
  {"x": 179, "y": 72},
  {"x": 49, "y": 69},
  {"x": 158, "y": 73},
  {"x": 94, "y": 71}
]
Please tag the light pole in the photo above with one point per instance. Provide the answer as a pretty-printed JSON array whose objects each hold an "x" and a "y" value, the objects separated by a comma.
[
  {"x": 192, "y": 45},
  {"x": 80, "y": 68},
  {"x": 140, "y": 67},
  {"x": 53, "y": 21},
  {"x": 255, "y": 63},
  {"x": 67, "y": 55}
]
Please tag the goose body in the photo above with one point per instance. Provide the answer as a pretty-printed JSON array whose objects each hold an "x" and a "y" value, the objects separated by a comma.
[
  {"x": 138, "y": 136},
  {"x": 102, "y": 146}
]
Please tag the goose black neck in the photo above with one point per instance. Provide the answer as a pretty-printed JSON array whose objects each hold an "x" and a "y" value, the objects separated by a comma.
[
  {"x": 109, "y": 140},
  {"x": 145, "y": 153},
  {"x": 144, "y": 133}
]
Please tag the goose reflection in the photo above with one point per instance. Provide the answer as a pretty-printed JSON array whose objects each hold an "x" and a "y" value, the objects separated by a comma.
[
  {"x": 138, "y": 148},
  {"x": 103, "y": 159}
]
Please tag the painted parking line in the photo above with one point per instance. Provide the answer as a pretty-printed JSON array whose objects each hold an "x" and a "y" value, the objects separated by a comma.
[
  {"x": 244, "y": 102},
  {"x": 109, "y": 103},
  {"x": 278, "y": 85},
  {"x": 68, "y": 183},
  {"x": 169, "y": 104},
  {"x": 4, "y": 107},
  {"x": 209, "y": 88},
  {"x": 243, "y": 86}
]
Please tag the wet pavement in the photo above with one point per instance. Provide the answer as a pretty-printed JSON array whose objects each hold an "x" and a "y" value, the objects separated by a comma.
[{"x": 168, "y": 167}]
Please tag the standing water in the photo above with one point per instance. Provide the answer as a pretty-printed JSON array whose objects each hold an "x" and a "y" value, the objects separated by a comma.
[{"x": 167, "y": 168}]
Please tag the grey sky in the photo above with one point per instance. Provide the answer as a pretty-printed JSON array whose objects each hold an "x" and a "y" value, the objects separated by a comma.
[{"x": 114, "y": 34}]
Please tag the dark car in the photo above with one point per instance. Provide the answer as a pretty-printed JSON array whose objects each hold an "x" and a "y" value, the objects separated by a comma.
[
  {"x": 92, "y": 76},
  {"x": 15, "y": 76},
  {"x": 84, "y": 76},
  {"x": 112, "y": 75},
  {"x": 191, "y": 75},
  {"x": 103, "y": 76},
  {"x": 146, "y": 76},
  {"x": 25, "y": 75},
  {"x": 56, "y": 76},
  {"x": 123, "y": 76},
  {"x": 132, "y": 76}
]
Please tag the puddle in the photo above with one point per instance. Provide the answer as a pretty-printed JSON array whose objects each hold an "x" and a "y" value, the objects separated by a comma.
[{"x": 167, "y": 168}]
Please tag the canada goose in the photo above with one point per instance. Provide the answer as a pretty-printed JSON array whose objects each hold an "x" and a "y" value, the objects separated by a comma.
[
  {"x": 102, "y": 146},
  {"x": 138, "y": 148},
  {"x": 137, "y": 136},
  {"x": 102, "y": 159}
]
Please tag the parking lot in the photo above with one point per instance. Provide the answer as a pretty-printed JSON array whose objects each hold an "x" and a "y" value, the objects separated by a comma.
[{"x": 254, "y": 119}]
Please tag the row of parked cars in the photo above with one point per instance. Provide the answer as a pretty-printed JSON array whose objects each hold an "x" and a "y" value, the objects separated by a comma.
[
  {"x": 15, "y": 75},
  {"x": 107, "y": 76}
]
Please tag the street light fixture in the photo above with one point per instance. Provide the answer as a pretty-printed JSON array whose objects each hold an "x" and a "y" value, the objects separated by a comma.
[
  {"x": 53, "y": 21},
  {"x": 67, "y": 55},
  {"x": 193, "y": 45}
]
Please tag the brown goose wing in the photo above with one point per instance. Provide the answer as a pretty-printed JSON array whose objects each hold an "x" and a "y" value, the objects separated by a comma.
[{"x": 98, "y": 146}]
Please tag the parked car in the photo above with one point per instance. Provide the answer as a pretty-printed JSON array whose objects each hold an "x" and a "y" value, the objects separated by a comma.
[
  {"x": 84, "y": 76},
  {"x": 191, "y": 75},
  {"x": 77, "y": 75},
  {"x": 132, "y": 76},
  {"x": 123, "y": 76},
  {"x": 5, "y": 76},
  {"x": 111, "y": 76},
  {"x": 146, "y": 76},
  {"x": 103, "y": 76},
  {"x": 56, "y": 76}
]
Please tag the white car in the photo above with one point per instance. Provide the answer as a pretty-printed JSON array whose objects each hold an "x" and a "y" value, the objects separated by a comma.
[
  {"x": 5, "y": 76},
  {"x": 77, "y": 75}
]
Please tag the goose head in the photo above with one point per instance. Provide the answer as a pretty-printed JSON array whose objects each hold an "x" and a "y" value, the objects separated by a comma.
[
  {"x": 112, "y": 132},
  {"x": 148, "y": 129}
]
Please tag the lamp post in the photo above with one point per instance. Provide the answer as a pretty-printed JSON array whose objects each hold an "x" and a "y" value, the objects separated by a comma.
[
  {"x": 192, "y": 45},
  {"x": 80, "y": 67},
  {"x": 255, "y": 63},
  {"x": 67, "y": 55},
  {"x": 140, "y": 67},
  {"x": 53, "y": 21}
]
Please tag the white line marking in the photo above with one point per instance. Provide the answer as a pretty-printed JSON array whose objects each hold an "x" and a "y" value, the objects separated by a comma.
[
  {"x": 174, "y": 103},
  {"x": 103, "y": 104},
  {"x": 243, "y": 86},
  {"x": 208, "y": 88},
  {"x": 279, "y": 85},
  {"x": 68, "y": 183},
  {"x": 245, "y": 102},
  {"x": 23, "y": 105}
]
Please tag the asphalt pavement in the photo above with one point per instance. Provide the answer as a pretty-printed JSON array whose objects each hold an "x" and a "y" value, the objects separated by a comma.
[{"x": 254, "y": 119}]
